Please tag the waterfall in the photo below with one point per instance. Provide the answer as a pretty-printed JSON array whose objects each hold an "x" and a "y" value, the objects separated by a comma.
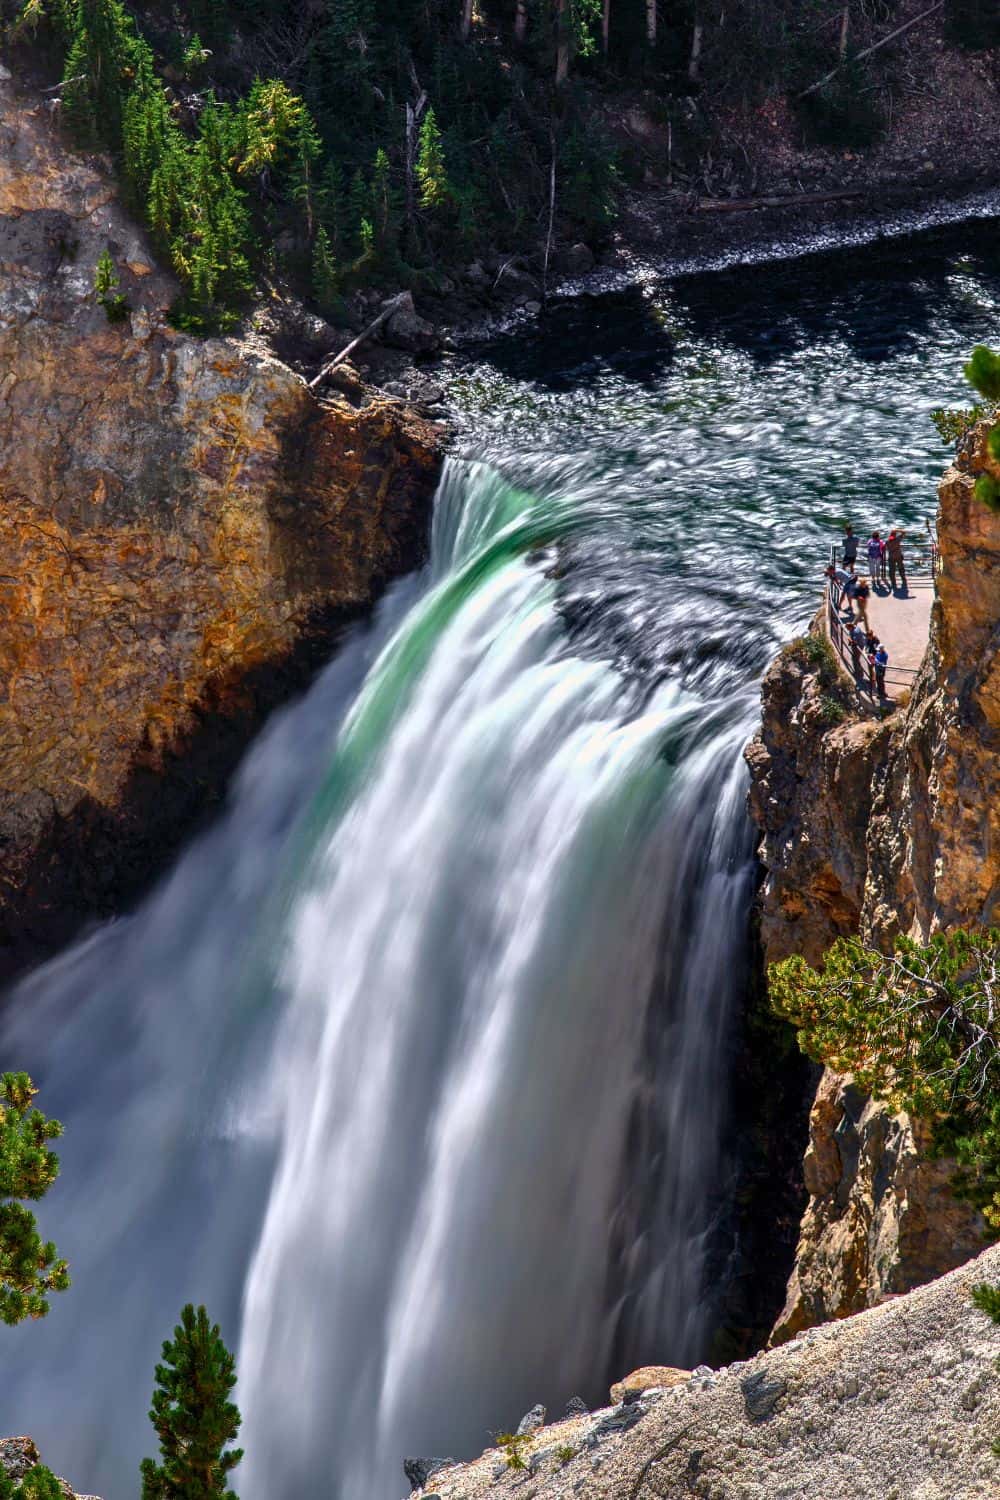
[{"x": 413, "y": 1069}]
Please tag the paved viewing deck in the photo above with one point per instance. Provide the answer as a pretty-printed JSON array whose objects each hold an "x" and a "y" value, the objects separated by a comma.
[{"x": 899, "y": 617}]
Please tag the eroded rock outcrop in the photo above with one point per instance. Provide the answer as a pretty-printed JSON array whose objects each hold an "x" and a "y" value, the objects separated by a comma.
[
  {"x": 181, "y": 521},
  {"x": 899, "y": 1403},
  {"x": 879, "y": 828},
  {"x": 18, "y": 1456}
]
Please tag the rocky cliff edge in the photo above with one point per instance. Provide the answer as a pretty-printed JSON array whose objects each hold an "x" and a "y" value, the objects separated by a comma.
[
  {"x": 877, "y": 828},
  {"x": 899, "y": 1403},
  {"x": 181, "y": 522}
]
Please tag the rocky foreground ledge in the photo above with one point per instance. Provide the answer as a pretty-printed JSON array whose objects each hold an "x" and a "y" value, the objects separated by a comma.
[
  {"x": 18, "y": 1456},
  {"x": 898, "y": 1403}
]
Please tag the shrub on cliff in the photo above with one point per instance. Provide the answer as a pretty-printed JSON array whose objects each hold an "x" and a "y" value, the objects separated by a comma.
[
  {"x": 193, "y": 1416},
  {"x": 29, "y": 1268},
  {"x": 39, "y": 1483},
  {"x": 920, "y": 1029}
]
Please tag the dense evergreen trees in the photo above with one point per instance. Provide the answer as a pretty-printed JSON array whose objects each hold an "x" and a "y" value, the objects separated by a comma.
[
  {"x": 385, "y": 138},
  {"x": 29, "y": 1268}
]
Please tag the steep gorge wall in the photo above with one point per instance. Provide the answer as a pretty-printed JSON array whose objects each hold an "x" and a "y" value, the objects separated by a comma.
[
  {"x": 875, "y": 828},
  {"x": 181, "y": 522}
]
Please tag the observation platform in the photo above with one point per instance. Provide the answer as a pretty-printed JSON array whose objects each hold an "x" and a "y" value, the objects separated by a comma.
[{"x": 900, "y": 617}]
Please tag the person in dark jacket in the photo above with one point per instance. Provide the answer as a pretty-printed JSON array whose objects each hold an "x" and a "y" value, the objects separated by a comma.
[{"x": 894, "y": 552}]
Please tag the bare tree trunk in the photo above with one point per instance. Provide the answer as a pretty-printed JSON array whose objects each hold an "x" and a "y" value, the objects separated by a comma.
[
  {"x": 694, "y": 61},
  {"x": 414, "y": 115},
  {"x": 651, "y": 22},
  {"x": 605, "y": 26},
  {"x": 562, "y": 41},
  {"x": 552, "y": 218},
  {"x": 466, "y": 19},
  {"x": 521, "y": 21},
  {"x": 845, "y": 30}
]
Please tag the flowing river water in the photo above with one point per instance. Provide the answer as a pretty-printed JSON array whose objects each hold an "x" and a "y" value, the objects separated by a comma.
[{"x": 415, "y": 1068}]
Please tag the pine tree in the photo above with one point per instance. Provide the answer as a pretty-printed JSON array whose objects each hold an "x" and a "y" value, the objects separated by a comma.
[
  {"x": 983, "y": 372},
  {"x": 29, "y": 1269},
  {"x": 306, "y": 149},
  {"x": 432, "y": 173},
  {"x": 39, "y": 1483},
  {"x": 193, "y": 1416},
  {"x": 357, "y": 212},
  {"x": 324, "y": 270}
]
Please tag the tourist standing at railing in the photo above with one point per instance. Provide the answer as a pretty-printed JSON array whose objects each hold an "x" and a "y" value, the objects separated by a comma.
[
  {"x": 874, "y": 550},
  {"x": 850, "y": 552},
  {"x": 894, "y": 549},
  {"x": 881, "y": 662},
  {"x": 862, "y": 593},
  {"x": 858, "y": 637}
]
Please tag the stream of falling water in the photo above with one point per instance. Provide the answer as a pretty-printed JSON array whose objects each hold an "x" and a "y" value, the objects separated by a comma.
[{"x": 414, "y": 1069}]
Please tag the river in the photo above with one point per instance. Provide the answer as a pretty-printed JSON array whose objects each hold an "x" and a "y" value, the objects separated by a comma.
[{"x": 415, "y": 1067}]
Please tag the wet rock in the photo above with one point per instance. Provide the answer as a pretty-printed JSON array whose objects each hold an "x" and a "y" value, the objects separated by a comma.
[
  {"x": 577, "y": 1407},
  {"x": 532, "y": 1421}
]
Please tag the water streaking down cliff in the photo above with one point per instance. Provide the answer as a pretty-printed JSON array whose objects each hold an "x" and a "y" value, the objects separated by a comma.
[{"x": 414, "y": 1068}]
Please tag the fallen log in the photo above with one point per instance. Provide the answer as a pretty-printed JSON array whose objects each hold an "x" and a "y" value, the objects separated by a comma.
[
  {"x": 346, "y": 352},
  {"x": 789, "y": 200}
]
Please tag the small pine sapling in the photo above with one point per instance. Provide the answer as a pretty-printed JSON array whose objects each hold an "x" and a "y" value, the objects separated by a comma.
[
  {"x": 987, "y": 1299},
  {"x": 194, "y": 1419},
  {"x": 106, "y": 284}
]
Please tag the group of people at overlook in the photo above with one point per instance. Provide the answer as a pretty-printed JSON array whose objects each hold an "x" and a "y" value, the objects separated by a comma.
[{"x": 886, "y": 562}]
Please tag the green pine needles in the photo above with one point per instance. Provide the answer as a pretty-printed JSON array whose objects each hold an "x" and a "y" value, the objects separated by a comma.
[
  {"x": 39, "y": 1483},
  {"x": 106, "y": 288},
  {"x": 432, "y": 174},
  {"x": 987, "y": 1299},
  {"x": 983, "y": 374},
  {"x": 29, "y": 1268},
  {"x": 919, "y": 1028},
  {"x": 193, "y": 1416}
]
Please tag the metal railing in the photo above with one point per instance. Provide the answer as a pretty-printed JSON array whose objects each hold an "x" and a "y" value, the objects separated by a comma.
[
  {"x": 920, "y": 552},
  {"x": 856, "y": 663}
]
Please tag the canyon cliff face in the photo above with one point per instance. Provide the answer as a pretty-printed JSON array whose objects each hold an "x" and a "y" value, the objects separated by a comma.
[
  {"x": 876, "y": 828},
  {"x": 182, "y": 524}
]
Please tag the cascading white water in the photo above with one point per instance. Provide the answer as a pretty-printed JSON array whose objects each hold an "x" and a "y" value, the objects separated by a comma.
[
  {"x": 414, "y": 1068},
  {"x": 420, "y": 1061}
]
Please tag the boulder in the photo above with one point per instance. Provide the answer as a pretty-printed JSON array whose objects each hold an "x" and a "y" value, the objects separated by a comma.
[
  {"x": 650, "y": 1376},
  {"x": 577, "y": 260},
  {"x": 407, "y": 330},
  {"x": 419, "y": 1470},
  {"x": 532, "y": 1421}
]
